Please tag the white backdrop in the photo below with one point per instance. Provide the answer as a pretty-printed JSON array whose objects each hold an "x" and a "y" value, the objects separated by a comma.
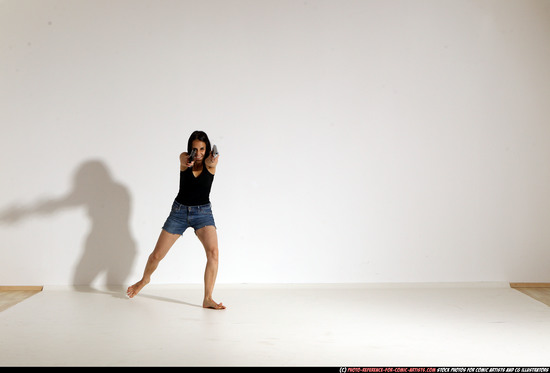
[{"x": 360, "y": 141}]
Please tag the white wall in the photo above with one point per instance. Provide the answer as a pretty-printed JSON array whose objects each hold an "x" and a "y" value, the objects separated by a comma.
[{"x": 361, "y": 141}]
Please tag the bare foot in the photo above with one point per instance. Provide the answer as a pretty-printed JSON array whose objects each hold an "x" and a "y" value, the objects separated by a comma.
[
  {"x": 135, "y": 288},
  {"x": 209, "y": 303}
]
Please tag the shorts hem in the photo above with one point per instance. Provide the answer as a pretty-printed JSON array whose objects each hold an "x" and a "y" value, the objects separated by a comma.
[
  {"x": 205, "y": 225},
  {"x": 167, "y": 231}
]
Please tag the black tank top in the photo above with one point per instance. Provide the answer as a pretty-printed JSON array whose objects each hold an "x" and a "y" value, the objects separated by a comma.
[{"x": 195, "y": 191}]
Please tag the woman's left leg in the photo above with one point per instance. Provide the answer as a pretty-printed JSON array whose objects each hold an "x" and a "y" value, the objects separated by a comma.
[{"x": 209, "y": 239}]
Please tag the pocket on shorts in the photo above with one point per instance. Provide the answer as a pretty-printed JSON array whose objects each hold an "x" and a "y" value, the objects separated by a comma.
[
  {"x": 205, "y": 210},
  {"x": 175, "y": 207}
]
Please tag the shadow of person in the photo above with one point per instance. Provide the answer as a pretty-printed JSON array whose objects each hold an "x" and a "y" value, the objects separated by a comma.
[{"x": 109, "y": 248}]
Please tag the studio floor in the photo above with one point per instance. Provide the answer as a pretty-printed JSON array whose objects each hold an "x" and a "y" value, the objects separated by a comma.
[{"x": 279, "y": 325}]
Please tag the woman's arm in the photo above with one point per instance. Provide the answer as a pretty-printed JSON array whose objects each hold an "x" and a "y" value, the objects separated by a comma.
[
  {"x": 212, "y": 162},
  {"x": 184, "y": 161}
]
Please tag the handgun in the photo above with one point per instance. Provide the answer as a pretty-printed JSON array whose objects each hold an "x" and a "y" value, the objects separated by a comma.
[{"x": 192, "y": 156}]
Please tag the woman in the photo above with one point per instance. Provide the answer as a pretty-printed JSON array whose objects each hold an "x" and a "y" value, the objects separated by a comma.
[{"x": 190, "y": 209}]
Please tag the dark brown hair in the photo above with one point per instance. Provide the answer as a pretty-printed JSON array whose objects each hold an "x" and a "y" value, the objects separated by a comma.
[{"x": 201, "y": 136}]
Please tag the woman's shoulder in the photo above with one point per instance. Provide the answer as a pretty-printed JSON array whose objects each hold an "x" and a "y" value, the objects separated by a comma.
[{"x": 211, "y": 171}]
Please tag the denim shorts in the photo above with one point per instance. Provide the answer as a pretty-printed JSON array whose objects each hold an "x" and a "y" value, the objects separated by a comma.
[{"x": 182, "y": 217}]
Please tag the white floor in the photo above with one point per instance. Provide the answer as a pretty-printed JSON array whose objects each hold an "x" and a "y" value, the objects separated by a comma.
[{"x": 279, "y": 325}]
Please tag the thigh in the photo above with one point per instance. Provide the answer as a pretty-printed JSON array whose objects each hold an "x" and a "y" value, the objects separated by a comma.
[
  {"x": 164, "y": 243},
  {"x": 208, "y": 237}
]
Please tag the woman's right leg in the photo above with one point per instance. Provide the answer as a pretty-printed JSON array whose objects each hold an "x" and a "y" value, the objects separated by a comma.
[{"x": 165, "y": 242}]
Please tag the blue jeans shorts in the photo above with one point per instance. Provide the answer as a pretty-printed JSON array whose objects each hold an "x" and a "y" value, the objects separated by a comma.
[{"x": 182, "y": 217}]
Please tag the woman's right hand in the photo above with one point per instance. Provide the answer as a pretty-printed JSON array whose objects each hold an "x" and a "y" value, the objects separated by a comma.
[{"x": 184, "y": 161}]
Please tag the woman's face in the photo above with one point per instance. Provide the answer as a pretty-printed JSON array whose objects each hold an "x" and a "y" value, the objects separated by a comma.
[{"x": 200, "y": 147}]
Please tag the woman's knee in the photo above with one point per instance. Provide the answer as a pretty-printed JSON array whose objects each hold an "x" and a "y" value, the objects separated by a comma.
[
  {"x": 156, "y": 257},
  {"x": 212, "y": 253}
]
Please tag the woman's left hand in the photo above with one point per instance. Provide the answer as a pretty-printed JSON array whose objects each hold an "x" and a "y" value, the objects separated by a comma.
[{"x": 212, "y": 162}]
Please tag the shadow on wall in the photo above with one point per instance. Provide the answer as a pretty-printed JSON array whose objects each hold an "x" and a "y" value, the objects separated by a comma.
[{"x": 109, "y": 248}]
